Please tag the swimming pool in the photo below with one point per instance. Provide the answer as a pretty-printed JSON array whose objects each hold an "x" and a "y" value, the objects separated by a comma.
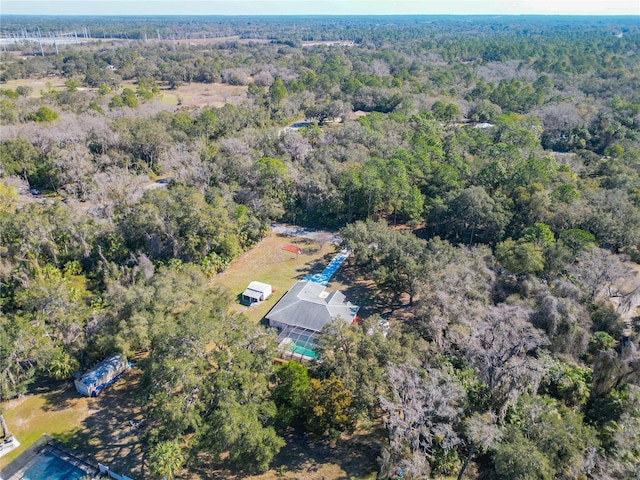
[
  {"x": 297, "y": 342},
  {"x": 49, "y": 466},
  {"x": 305, "y": 352}
]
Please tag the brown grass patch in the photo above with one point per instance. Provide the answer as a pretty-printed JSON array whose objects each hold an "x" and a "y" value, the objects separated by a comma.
[
  {"x": 36, "y": 84},
  {"x": 188, "y": 95},
  {"x": 205, "y": 94}
]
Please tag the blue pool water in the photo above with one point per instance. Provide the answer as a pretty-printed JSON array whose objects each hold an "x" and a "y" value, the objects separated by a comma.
[
  {"x": 302, "y": 348},
  {"x": 49, "y": 466}
]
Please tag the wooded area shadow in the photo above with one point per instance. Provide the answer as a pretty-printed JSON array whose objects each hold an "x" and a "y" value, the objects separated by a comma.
[
  {"x": 352, "y": 457},
  {"x": 355, "y": 456},
  {"x": 58, "y": 395},
  {"x": 111, "y": 433},
  {"x": 364, "y": 293}
]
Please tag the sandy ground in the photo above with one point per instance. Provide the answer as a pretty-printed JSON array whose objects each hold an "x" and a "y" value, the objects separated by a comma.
[{"x": 301, "y": 232}]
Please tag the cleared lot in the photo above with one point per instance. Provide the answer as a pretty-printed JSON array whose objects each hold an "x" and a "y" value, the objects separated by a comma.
[{"x": 269, "y": 263}]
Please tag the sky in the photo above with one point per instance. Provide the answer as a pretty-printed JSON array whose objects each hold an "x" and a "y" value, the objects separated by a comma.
[{"x": 320, "y": 7}]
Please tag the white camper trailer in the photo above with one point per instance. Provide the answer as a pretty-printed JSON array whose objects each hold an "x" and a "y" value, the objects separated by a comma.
[{"x": 102, "y": 375}]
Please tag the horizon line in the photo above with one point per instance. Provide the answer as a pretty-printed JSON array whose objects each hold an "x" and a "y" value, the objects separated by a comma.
[{"x": 320, "y": 15}]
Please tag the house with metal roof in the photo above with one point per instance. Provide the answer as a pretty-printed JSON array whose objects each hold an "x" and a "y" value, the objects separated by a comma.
[{"x": 303, "y": 312}]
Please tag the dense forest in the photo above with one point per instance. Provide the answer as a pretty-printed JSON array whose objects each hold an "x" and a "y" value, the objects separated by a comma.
[{"x": 485, "y": 173}]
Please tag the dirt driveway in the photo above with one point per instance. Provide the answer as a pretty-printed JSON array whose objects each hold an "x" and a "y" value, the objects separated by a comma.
[{"x": 288, "y": 230}]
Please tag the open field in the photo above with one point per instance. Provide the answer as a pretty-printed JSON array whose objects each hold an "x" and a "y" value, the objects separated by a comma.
[
  {"x": 187, "y": 95},
  {"x": 205, "y": 94},
  {"x": 269, "y": 263},
  {"x": 36, "y": 84}
]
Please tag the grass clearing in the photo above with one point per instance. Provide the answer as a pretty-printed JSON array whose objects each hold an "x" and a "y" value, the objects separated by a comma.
[
  {"x": 53, "y": 408},
  {"x": 204, "y": 94},
  {"x": 36, "y": 85},
  {"x": 267, "y": 262},
  {"x": 187, "y": 95},
  {"x": 197, "y": 94}
]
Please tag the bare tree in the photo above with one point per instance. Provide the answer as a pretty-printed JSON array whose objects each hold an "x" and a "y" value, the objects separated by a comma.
[
  {"x": 297, "y": 146},
  {"x": 5, "y": 429},
  {"x": 500, "y": 348},
  {"x": 614, "y": 369},
  {"x": 457, "y": 288},
  {"x": 264, "y": 78},
  {"x": 76, "y": 168},
  {"x": 116, "y": 188},
  {"x": 424, "y": 406},
  {"x": 606, "y": 275},
  {"x": 563, "y": 317}
]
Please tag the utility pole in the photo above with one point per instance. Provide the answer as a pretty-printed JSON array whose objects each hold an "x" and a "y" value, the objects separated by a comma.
[
  {"x": 40, "y": 41},
  {"x": 26, "y": 41}
]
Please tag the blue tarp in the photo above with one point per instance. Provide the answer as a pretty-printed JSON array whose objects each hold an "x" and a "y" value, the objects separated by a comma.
[
  {"x": 101, "y": 369},
  {"x": 324, "y": 277},
  {"x": 99, "y": 388}
]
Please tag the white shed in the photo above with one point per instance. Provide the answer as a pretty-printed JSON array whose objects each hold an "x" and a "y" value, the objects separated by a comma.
[
  {"x": 256, "y": 292},
  {"x": 102, "y": 375}
]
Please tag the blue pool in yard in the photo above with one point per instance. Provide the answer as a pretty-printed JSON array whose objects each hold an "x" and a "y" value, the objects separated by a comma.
[
  {"x": 49, "y": 466},
  {"x": 301, "y": 348}
]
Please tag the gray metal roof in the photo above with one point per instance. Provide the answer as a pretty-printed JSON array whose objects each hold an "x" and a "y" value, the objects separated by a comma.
[{"x": 306, "y": 305}]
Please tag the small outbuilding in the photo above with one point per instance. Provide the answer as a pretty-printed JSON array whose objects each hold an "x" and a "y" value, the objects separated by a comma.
[
  {"x": 102, "y": 375},
  {"x": 256, "y": 292}
]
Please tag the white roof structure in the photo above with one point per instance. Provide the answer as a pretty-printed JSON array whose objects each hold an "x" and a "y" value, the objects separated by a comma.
[
  {"x": 258, "y": 291},
  {"x": 307, "y": 305},
  {"x": 92, "y": 382}
]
